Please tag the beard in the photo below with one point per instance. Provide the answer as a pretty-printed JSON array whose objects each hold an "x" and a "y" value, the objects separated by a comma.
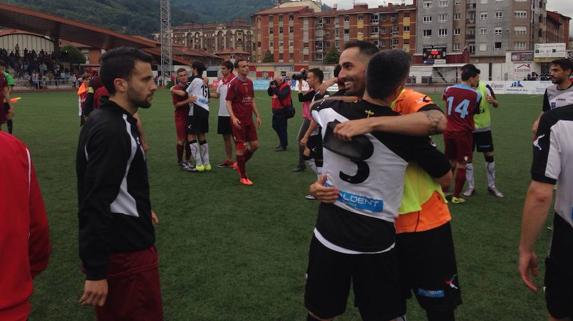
[{"x": 137, "y": 100}]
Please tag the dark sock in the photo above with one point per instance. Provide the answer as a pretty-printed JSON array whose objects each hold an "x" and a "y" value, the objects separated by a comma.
[
  {"x": 179, "y": 153},
  {"x": 460, "y": 181},
  {"x": 10, "y": 125},
  {"x": 488, "y": 159},
  {"x": 248, "y": 154},
  {"x": 440, "y": 315},
  {"x": 241, "y": 165},
  {"x": 187, "y": 152}
]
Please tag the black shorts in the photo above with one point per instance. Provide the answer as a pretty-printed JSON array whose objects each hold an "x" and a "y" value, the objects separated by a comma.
[
  {"x": 559, "y": 271},
  {"x": 374, "y": 278},
  {"x": 314, "y": 143},
  {"x": 199, "y": 122},
  {"x": 224, "y": 125},
  {"x": 428, "y": 268},
  {"x": 483, "y": 142}
]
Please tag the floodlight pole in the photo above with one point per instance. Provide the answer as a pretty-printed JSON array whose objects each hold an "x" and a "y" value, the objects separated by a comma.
[{"x": 166, "y": 67}]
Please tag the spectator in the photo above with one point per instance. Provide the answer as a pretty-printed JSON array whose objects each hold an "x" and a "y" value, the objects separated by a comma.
[{"x": 279, "y": 90}]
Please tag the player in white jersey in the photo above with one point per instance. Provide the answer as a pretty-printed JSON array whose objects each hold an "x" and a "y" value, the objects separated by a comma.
[
  {"x": 198, "y": 122},
  {"x": 224, "y": 120}
]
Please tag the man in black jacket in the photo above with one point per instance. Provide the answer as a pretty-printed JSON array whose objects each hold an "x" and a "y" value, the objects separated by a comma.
[{"x": 116, "y": 233}]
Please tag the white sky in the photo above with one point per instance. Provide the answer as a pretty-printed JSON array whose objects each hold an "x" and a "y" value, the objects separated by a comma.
[{"x": 564, "y": 7}]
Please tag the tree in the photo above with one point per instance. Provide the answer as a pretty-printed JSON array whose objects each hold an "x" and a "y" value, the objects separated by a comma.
[
  {"x": 331, "y": 57},
  {"x": 269, "y": 57},
  {"x": 72, "y": 55}
]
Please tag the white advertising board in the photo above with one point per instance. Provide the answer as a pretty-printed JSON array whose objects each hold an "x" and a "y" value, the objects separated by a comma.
[
  {"x": 520, "y": 87},
  {"x": 550, "y": 50}
]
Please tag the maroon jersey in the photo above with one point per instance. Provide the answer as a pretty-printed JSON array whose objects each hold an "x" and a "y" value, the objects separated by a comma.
[
  {"x": 462, "y": 103},
  {"x": 183, "y": 110},
  {"x": 241, "y": 95},
  {"x": 98, "y": 96}
]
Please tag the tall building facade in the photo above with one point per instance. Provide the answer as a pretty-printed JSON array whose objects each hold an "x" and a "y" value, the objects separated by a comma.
[
  {"x": 485, "y": 28},
  {"x": 215, "y": 38},
  {"x": 304, "y": 33},
  {"x": 557, "y": 30}
]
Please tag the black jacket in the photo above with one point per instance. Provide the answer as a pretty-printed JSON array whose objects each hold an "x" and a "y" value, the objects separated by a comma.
[{"x": 113, "y": 189}]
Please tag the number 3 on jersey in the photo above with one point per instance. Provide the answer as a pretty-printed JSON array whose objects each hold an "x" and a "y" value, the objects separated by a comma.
[{"x": 461, "y": 108}]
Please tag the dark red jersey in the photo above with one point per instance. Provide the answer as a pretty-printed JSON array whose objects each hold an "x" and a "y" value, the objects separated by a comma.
[
  {"x": 462, "y": 103},
  {"x": 241, "y": 95}
]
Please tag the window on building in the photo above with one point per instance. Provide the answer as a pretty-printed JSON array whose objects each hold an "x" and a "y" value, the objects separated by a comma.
[
  {"x": 406, "y": 28},
  {"x": 444, "y": 3},
  {"x": 427, "y": 19},
  {"x": 520, "y": 14},
  {"x": 483, "y": 15},
  {"x": 443, "y": 17},
  {"x": 258, "y": 44},
  {"x": 483, "y": 31},
  {"x": 376, "y": 43},
  {"x": 457, "y": 31},
  {"x": 497, "y": 45},
  {"x": 540, "y": 33},
  {"x": 382, "y": 44},
  {"x": 520, "y": 45},
  {"x": 427, "y": 32},
  {"x": 456, "y": 46},
  {"x": 520, "y": 30},
  {"x": 395, "y": 42},
  {"x": 483, "y": 47},
  {"x": 305, "y": 44},
  {"x": 471, "y": 31},
  {"x": 382, "y": 30},
  {"x": 374, "y": 30},
  {"x": 406, "y": 41},
  {"x": 374, "y": 18},
  {"x": 457, "y": 16},
  {"x": 271, "y": 30},
  {"x": 472, "y": 48},
  {"x": 360, "y": 18},
  {"x": 280, "y": 29},
  {"x": 498, "y": 31},
  {"x": 346, "y": 18},
  {"x": 271, "y": 44},
  {"x": 427, "y": 4},
  {"x": 281, "y": 43},
  {"x": 499, "y": 14},
  {"x": 290, "y": 18},
  {"x": 280, "y": 18},
  {"x": 443, "y": 32},
  {"x": 346, "y": 31},
  {"x": 291, "y": 29}
]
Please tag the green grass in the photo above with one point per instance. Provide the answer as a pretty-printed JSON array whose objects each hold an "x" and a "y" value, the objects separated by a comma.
[{"x": 234, "y": 253}]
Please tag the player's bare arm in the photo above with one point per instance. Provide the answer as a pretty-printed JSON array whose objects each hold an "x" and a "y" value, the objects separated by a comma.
[
  {"x": 311, "y": 127},
  {"x": 178, "y": 92},
  {"x": 257, "y": 115},
  {"x": 535, "y": 211},
  {"x": 234, "y": 120},
  {"x": 327, "y": 84},
  {"x": 424, "y": 123},
  {"x": 492, "y": 101}
]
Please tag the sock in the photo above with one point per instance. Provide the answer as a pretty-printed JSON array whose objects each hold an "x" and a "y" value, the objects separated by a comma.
[
  {"x": 440, "y": 315},
  {"x": 195, "y": 153},
  {"x": 188, "y": 152},
  {"x": 470, "y": 175},
  {"x": 204, "y": 148},
  {"x": 241, "y": 165},
  {"x": 10, "y": 125},
  {"x": 460, "y": 180},
  {"x": 490, "y": 166},
  {"x": 312, "y": 165},
  {"x": 248, "y": 154},
  {"x": 179, "y": 153}
]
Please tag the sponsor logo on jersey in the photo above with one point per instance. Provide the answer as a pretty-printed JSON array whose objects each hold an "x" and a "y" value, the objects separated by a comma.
[
  {"x": 536, "y": 142},
  {"x": 360, "y": 202},
  {"x": 431, "y": 293}
]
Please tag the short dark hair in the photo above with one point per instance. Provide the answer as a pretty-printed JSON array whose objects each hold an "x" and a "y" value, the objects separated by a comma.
[
  {"x": 180, "y": 70},
  {"x": 366, "y": 48},
  {"x": 199, "y": 66},
  {"x": 386, "y": 71},
  {"x": 469, "y": 71},
  {"x": 119, "y": 63},
  {"x": 564, "y": 63},
  {"x": 228, "y": 64},
  {"x": 318, "y": 73},
  {"x": 337, "y": 70},
  {"x": 239, "y": 60}
]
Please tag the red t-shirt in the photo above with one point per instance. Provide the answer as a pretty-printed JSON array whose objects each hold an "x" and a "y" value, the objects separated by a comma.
[
  {"x": 98, "y": 95},
  {"x": 241, "y": 94},
  {"x": 462, "y": 103},
  {"x": 183, "y": 110},
  {"x": 24, "y": 237}
]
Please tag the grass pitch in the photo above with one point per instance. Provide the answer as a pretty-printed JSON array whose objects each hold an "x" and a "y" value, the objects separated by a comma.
[{"x": 231, "y": 253}]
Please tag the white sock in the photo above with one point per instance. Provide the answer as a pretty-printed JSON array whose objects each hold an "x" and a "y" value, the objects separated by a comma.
[
  {"x": 195, "y": 153},
  {"x": 470, "y": 175},
  {"x": 490, "y": 167},
  {"x": 204, "y": 148}
]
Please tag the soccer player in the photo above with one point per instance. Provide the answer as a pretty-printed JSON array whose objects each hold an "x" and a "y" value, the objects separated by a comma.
[
  {"x": 462, "y": 103},
  {"x": 8, "y": 109},
  {"x": 198, "y": 121},
  {"x": 116, "y": 237},
  {"x": 552, "y": 153},
  {"x": 561, "y": 93},
  {"x": 241, "y": 106},
  {"x": 483, "y": 141},
  {"x": 354, "y": 236},
  {"x": 181, "y": 105},
  {"x": 24, "y": 236},
  {"x": 224, "y": 126}
]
